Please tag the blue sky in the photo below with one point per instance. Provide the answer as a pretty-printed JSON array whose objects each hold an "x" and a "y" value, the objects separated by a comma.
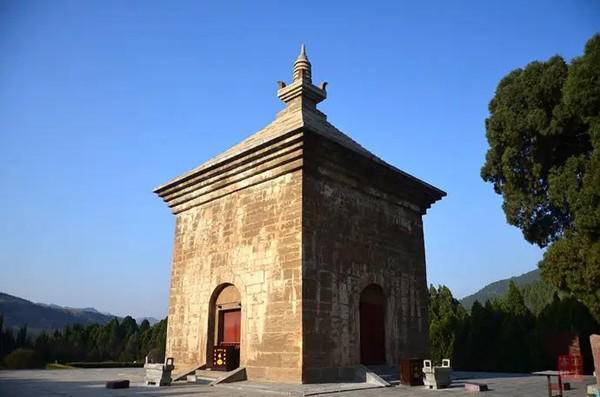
[{"x": 101, "y": 101}]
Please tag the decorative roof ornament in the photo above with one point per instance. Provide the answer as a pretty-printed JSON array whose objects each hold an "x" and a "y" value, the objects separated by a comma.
[
  {"x": 302, "y": 67},
  {"x": 301, "y": 90}
]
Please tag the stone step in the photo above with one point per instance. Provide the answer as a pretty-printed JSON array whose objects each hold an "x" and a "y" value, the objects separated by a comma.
[
  {"x": 208, "y": 374},
  {"x": 389, "y": 373},
  {"x": 182, "y": 373}
]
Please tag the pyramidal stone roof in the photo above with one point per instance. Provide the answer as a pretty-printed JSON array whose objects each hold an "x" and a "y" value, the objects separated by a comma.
[{"x": 301, "y": 97}]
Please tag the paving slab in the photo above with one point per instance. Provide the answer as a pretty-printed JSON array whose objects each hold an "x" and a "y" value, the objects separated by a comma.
[
  {"x": 91, "y": 382},
  {"x": 314, "y": 389}
]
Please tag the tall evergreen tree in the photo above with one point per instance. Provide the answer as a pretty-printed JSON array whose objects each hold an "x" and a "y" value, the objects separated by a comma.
[
  {"x": 516, "y": 333},
  {"x": 445, "y": 317},
  {"x": 544, "y": 159}
]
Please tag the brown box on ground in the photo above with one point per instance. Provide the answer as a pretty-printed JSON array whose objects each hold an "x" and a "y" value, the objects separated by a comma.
[{"x": 411, "y": 372}]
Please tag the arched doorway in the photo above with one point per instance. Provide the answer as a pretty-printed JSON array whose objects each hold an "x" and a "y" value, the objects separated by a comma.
[
  {"x": 372, "y": 325},
  {"x": 224, "y": 328}
]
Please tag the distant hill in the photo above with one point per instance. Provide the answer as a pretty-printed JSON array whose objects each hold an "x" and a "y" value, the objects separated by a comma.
[
  {"x": 499, "y": 288},
  {"x": 18, "y": 312},
  {"x": 151, "y": 320}
]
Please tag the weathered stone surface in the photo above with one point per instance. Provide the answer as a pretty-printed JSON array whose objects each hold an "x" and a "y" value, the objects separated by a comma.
[
  {"x": 356, "y": 232},
  {"x": 595, "y": 343},
  {"x": 300, "y": 219},
  {"x": 239, "y": 239}
]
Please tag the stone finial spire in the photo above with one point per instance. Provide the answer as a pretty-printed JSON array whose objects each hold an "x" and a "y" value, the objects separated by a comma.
[
  {"x": 302, "y": 66},
  {"x": 301, "y": 90}
]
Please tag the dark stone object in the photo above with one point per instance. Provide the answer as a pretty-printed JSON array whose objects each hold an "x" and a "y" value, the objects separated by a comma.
[
  {"x": 117, "y": 384},
  {"x": 474, "y": 386}
]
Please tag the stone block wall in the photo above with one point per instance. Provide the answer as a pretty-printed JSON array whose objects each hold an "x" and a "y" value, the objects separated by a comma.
[
  {"x": 300, "y": 226},
  {"x": 251, "y": 238},
  {"x": 357, "y": 230}
]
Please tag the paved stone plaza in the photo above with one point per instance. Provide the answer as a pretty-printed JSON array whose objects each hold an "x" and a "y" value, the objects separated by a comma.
[{"x": 90, "y": 382}]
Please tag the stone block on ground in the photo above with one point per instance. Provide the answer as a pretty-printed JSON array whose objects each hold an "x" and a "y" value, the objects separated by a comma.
[
  {"x": 192, "y": 379},
  {"x": 437, "y": 377},
  {"x": 117, "y": 384},
  {"x": 158, "y": 374},
  {"x": 475, "y": 386}
]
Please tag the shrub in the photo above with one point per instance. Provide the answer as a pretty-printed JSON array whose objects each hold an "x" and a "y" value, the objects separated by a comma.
[
  {"x": 156, "y": 355},
  {"x": 23, "y": 358}
]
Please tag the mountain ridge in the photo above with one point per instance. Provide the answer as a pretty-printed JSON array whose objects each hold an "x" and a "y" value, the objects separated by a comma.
[
  {"x": 38, "y": 317},
  {"x": 498, "y": 288}
]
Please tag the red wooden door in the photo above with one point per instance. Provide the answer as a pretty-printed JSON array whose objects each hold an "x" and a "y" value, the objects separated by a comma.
[
  {"x": 229, "y": 327},
  {"x": 372, "y": 333}
]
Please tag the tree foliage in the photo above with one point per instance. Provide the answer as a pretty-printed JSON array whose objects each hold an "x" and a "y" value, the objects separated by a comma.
[
  {"x": 503, "y": 334},
  {"x": 23, "y": 358},
  {"x": 445, "y": 315},
  {"x": 544, "y": 159},
  {"x": 119, "y": 340},
  {"x": 537, "y": 295}
]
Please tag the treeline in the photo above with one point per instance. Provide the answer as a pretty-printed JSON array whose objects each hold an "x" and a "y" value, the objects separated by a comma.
[
  {"x": 119, "y": 340},
  {"x": 504, "y": 335}
]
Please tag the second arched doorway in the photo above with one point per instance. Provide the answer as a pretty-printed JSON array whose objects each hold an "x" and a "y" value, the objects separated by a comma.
[{"x": 372, "y": 325}]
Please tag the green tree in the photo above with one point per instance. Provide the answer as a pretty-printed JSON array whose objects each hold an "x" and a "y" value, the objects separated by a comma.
[
  {"x": 7, "y": 339},
  {"x": 23, "y": 358},
  {"x": 480, "y": 346},
  {"x": 537, "y": 295},
  {"x": 131, "y": 349},
  {"x": 544, "y": 159},
  {"x": 144, "y": 326},
  {"x": 116, "y": 336},
  {"x": 566, "y": 315},
  {"x": 513, "y": 302},
  {"x": 446, "y": 315},
  {"x": 22, "y": 339},
  {"x": 129, "y": 326},
  {"x": 42, "y": 346},
  {"x": 516, "y": 333}
]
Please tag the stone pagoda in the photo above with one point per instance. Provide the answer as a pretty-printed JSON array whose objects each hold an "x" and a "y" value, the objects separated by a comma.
[{"x": 298, "y": 252}]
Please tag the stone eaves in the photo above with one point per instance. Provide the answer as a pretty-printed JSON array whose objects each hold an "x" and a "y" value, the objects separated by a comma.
[
  {"x": 286, "y": 122},
  {"x": 301, "y": 114}
]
